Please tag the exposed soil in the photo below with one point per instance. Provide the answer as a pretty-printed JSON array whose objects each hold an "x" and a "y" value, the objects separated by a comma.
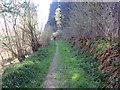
[{"x": 50, "y": 80}]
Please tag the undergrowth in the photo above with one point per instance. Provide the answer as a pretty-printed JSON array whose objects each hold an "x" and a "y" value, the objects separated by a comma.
[
  {"x": 31, "y": 72},
  {"x": 106, "y": 54},
  {"x": 77, "y": 69}
]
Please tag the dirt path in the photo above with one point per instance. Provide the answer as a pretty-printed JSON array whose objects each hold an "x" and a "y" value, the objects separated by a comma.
[{"x": 50, "y": 81}]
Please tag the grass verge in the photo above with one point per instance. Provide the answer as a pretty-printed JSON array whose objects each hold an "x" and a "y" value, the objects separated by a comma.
[
  {"x": 31, "y": 72},
  {"x": 74, "y": 71}
]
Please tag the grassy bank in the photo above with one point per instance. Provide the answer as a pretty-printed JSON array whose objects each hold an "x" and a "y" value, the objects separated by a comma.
[
  {"x": 30, "y": 73},
  {"x": 75, "y": 68}
]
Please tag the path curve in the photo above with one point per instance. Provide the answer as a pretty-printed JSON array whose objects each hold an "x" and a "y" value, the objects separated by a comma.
[{"x": 50, "y": 80}]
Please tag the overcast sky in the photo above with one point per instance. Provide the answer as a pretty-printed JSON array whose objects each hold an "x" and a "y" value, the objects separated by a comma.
[{"x": 43, "y": 10}]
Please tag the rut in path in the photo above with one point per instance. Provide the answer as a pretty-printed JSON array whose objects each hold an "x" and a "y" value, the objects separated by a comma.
[{"x": 50, "y": 80}]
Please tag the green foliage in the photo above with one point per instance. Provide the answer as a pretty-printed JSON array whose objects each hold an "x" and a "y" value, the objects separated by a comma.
[
  {"x": 13, "y": 7},
  {"x": 8, "y": 7},
  {"x": 77, "y": 69},
  {"x": 30, "y": 73},
  {"x": 8, "y": 38},
  {"x": 90, "y": 65},
  {"x": 100, "y": 44}
]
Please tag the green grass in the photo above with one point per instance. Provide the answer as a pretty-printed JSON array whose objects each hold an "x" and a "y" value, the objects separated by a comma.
[
  {"x": 76, "y": 69},
  {"x": 30, "y": 73}
]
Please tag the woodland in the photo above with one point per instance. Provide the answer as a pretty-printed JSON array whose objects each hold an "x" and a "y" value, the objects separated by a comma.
[{"x": 79, "y": 47}]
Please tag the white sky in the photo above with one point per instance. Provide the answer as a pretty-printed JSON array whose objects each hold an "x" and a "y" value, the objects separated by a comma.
[{"x": 43, "y": 10}]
